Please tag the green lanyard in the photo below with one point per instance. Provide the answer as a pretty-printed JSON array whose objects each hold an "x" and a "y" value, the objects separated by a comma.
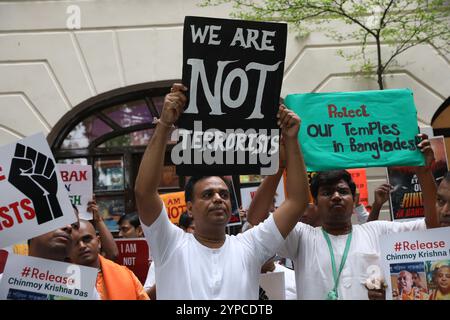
[{"x": 333, "y": 294}]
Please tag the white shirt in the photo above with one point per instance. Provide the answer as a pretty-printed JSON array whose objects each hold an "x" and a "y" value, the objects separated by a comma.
[
  {"x": 185, "y": 269},
  {"x": 307, "y": 247},
  {"x": 289, "y": 281},
  {"x": 361, "y": 213},
  {"x": 150, "y": 280}
]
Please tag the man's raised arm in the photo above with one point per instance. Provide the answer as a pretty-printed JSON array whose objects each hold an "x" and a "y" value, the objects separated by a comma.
[
  {"x": 428, "y": 184},
  {"x": 290, "y": 211},
  {"x": 148, "y": 203}
]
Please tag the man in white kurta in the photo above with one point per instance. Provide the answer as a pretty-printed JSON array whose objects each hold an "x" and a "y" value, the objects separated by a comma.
[
  {"x": 186, "y": 269},
  {"x": 307, "y": 247},
  {"x": 209, "y": 264}
]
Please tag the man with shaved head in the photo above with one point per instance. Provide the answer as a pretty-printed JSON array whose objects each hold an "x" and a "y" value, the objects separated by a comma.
[
  {"x": 406, "y": 290},
  {"x": 114, "y": 282}
]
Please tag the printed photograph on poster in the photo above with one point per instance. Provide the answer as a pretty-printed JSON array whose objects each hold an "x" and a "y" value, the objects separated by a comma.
[
  {"x": 407, "y": 280},
  {"x": 438, "y": 279},
  {"x": 416, "y": 265},
  {"x": 406, "y": 196},
  {"x": 30, "y": 278},
  {"x": 33, "y": 197}
]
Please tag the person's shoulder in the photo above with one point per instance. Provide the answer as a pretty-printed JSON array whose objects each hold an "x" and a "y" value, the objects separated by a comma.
[
  {"x": 305, "y": 231},
  {"x": 374, "y": 223},
  {"x": 249, "y": 228},
  {"x": 304, "y": 226},
  {"x": 377, "y": 225},
  {"x": 395, "y": 226}
]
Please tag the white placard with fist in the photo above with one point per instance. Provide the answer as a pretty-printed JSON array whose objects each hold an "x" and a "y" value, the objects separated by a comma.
[{"x": 33, "y": 199}]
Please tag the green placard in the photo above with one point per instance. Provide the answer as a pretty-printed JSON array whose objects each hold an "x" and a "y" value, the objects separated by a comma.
[{"x": 357, "y": 129}]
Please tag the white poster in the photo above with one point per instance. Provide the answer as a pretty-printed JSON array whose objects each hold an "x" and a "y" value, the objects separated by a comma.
[
  {"x": 30, "y": 278},
  {"x": 33, "y": 199},
  {"x": 79, "y": 184},
  {"x": 416, "y": 265},
  {"x": 273, "y": 284},
  {"x": 247, "y": 194}
]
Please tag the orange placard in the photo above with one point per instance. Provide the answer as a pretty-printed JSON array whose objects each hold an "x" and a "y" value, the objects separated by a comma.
[
  {"x": 360, "y": 179},
  {"x": 175, "y": 205}
]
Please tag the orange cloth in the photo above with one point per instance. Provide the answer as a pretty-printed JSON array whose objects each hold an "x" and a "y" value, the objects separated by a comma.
[
  {"x": 414, "y": 294},
  {"x": 21, "y": 249},
  {"x": 116, "y": 282}
]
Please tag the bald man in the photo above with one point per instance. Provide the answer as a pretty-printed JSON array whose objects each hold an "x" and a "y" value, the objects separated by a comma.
[
  {"x": 114, "y": 282},
  {"x": 406, "y": 290}
]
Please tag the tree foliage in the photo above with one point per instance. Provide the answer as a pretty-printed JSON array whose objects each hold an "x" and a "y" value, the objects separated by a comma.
[{"x": 395, "y": 25}]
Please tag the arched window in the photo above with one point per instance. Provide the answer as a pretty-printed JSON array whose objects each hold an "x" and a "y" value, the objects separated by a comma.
[{"x": 110, "y": 132}]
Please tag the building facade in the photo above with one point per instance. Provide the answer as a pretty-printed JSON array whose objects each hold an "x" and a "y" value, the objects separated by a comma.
[{"x": 92, "y": 76}]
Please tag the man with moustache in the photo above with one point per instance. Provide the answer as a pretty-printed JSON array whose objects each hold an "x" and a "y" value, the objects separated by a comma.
[{"x": 209, "y": 264}]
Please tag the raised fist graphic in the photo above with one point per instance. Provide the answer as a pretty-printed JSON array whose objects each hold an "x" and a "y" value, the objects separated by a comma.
[{"x": 34, "y": 174}]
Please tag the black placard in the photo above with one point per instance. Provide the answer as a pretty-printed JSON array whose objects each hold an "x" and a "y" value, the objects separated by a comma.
[{"x": 233, "y": 70}]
